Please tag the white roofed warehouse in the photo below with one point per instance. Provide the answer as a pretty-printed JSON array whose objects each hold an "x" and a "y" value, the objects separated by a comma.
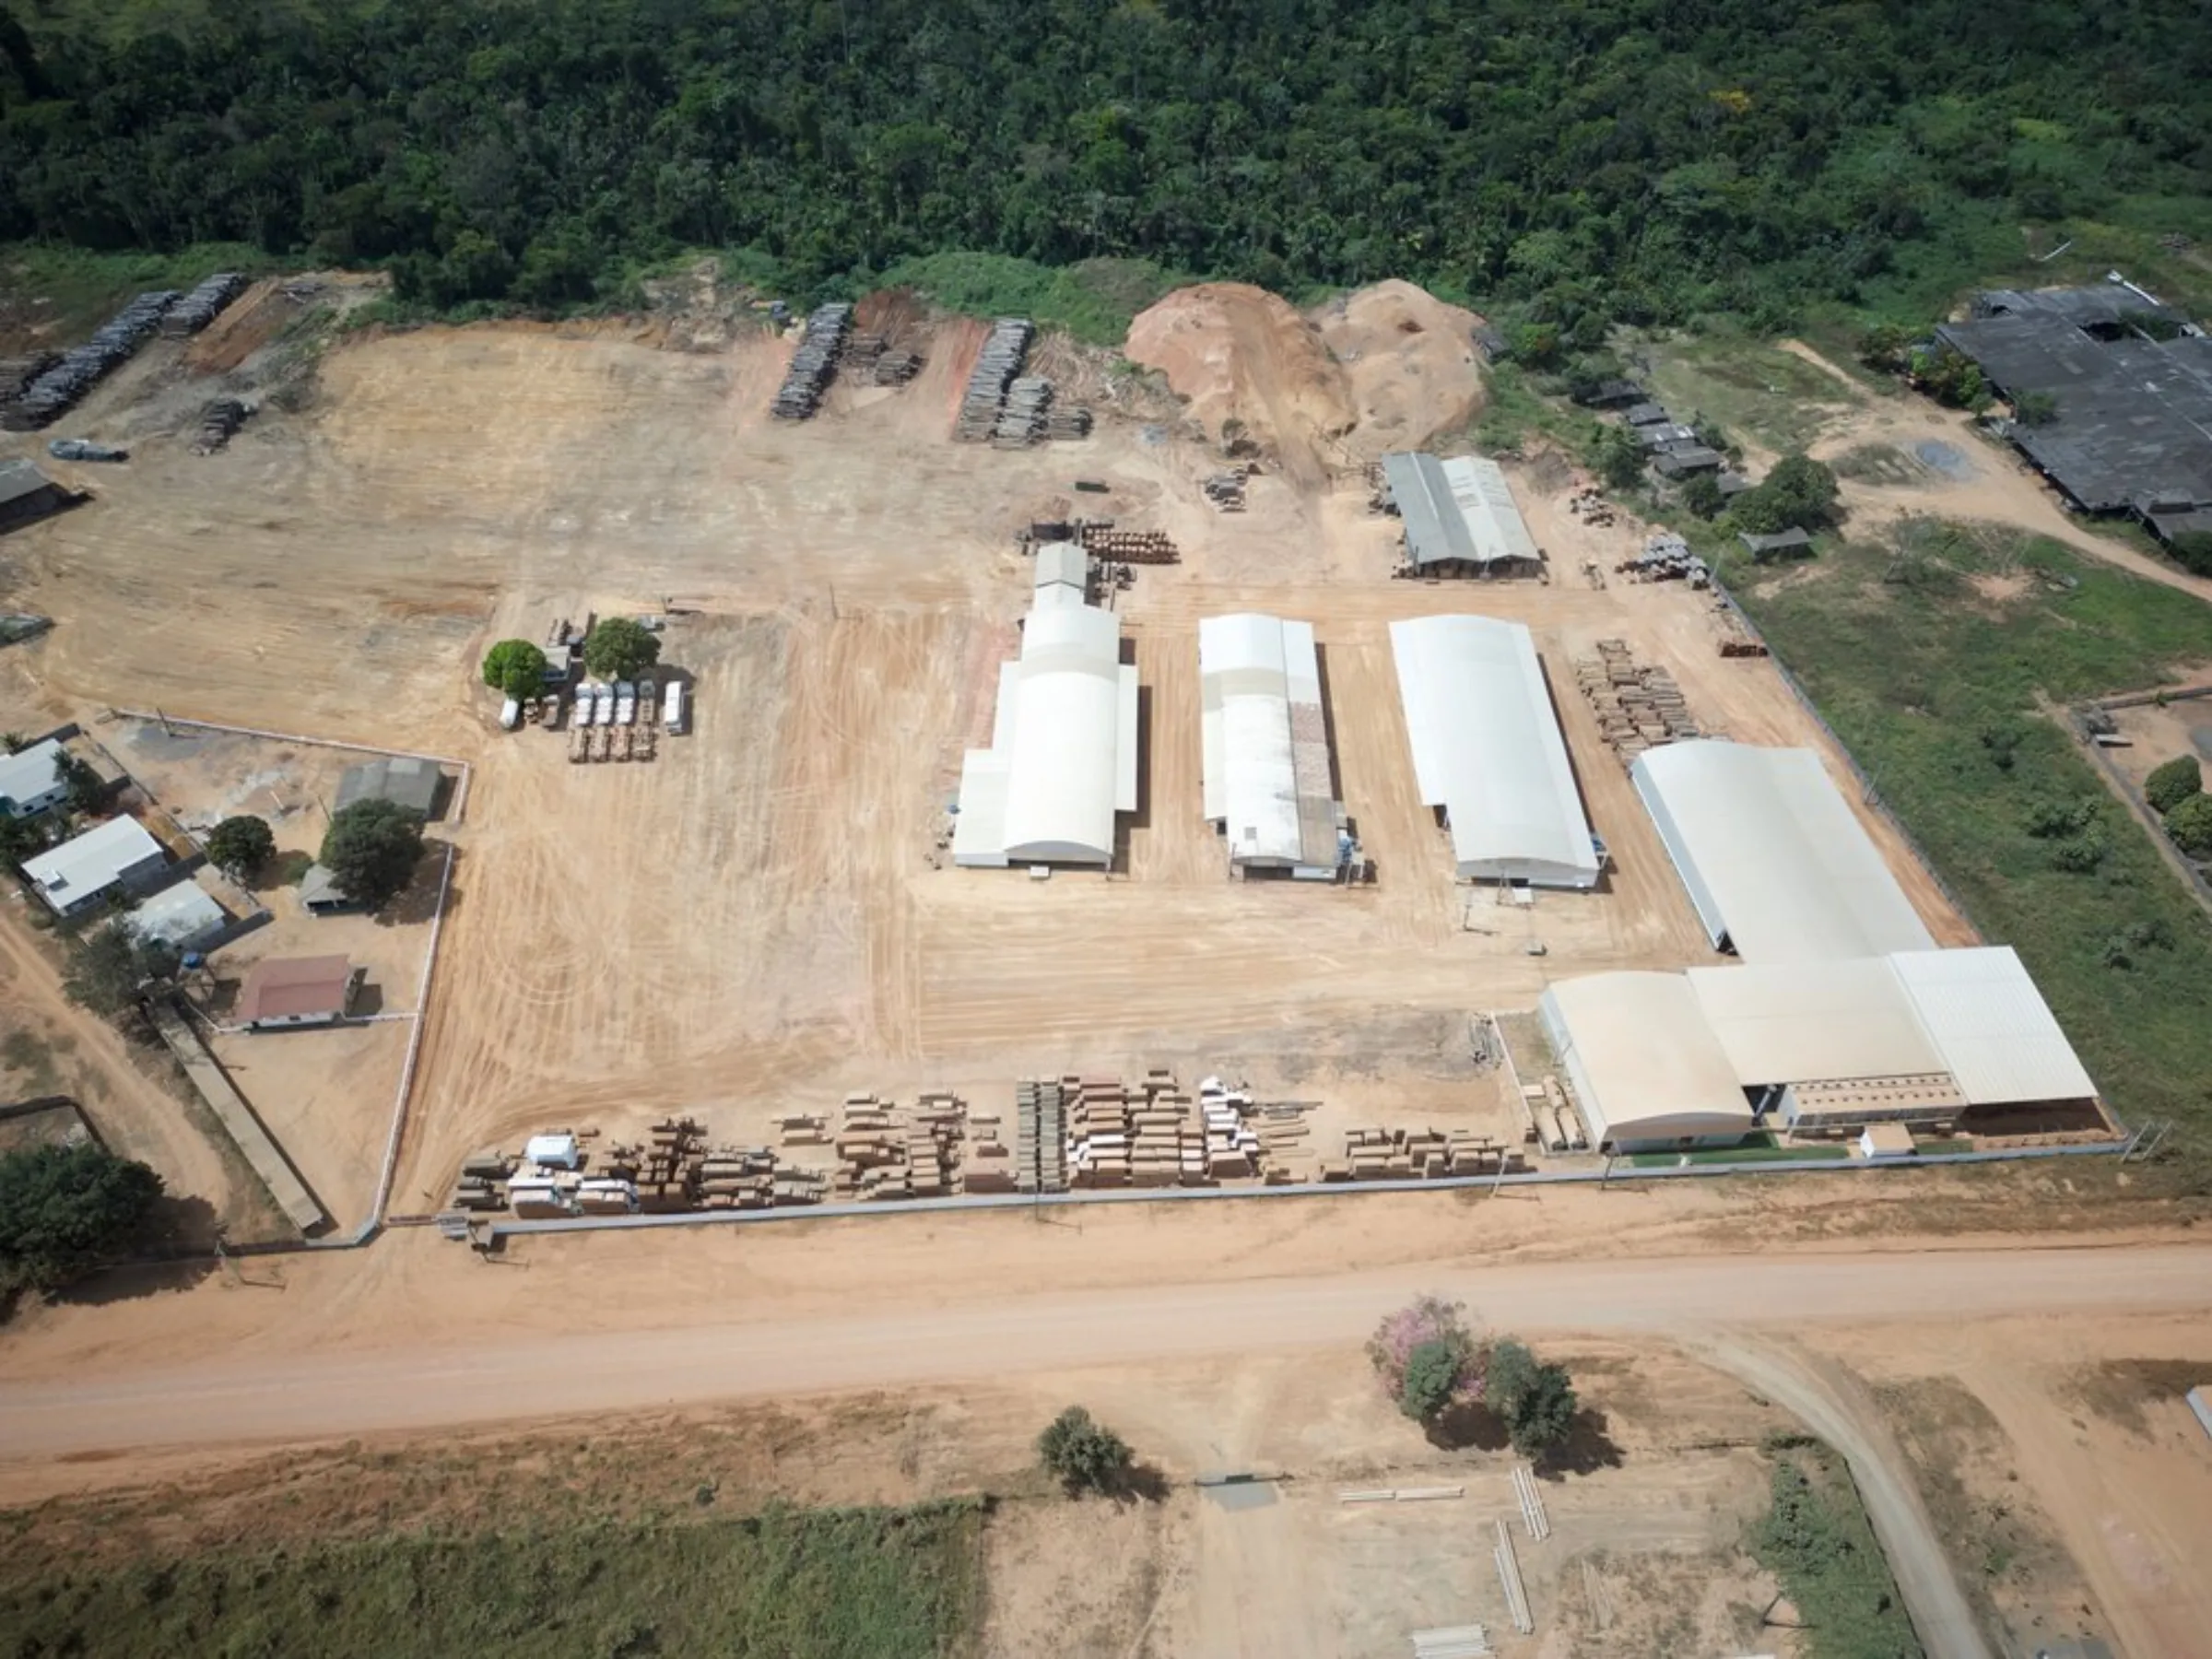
[
  {"x": 1460, "y": 518},
  {"x": 1063, "y": 757},
  {"x": 1647, "y": 1072},
  {"x": 1267, "y": 784},
  {"x": 1777, "y": 866},
  {"x": 1488, "y": 751}
]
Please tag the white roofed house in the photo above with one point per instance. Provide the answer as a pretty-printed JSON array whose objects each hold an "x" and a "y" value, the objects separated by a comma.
[
  {"x": 1063, "y": 758},
  {"x": 1488, "y": 754},
  {"x": 118, "y": 855},
  {"x": 1266, "y": 775},
  {"x": 32, "y": 780}
]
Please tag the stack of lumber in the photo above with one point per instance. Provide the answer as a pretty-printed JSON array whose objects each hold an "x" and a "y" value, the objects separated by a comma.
[
  {"x": 996, "y": 368},
  {"x": 1235, "y": 1151},
  {"x": 1040, "y": 1136},
  {"x": 812, "y": 365},
  {"x": 1637, "y": 708},
  {"x": 884, "y": 1153},
  {"x": 1380, "y": 1154},
  {"x": 1022, "y": 415},
  {"x": 218, "y": 421},
  {"x": 1128, "y": 547}
]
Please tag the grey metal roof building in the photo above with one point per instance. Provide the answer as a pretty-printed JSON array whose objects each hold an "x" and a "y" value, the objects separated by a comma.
[
  {"x": 26, "y": 494},
  {"x": 1460, "y": 515},
  {"x": 2133, "y": 431},
  {"x": 409, "y": 783},
  {"x": 1782, "y": 542}
]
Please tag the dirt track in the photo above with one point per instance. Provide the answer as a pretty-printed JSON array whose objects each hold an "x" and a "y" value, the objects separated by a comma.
[{"x": 312, "y": 1395}]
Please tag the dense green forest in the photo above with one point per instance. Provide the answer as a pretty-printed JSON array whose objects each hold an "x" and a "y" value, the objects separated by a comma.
[{"x": 1597, "y": 160}]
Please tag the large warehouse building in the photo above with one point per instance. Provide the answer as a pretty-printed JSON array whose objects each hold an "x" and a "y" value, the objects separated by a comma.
[
  {"x": 1063, "y": 755},
  {"x": 1928, "y": 1037},
  {"x": 1488, "y": 751},
  {"x": 1460, "y": 517},
  {"x": 1266, "y": 746},
  {"x": 1777, "y": 866}
]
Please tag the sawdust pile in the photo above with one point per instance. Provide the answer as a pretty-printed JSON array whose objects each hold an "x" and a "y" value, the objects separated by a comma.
[
  {"x": 1381, "y": 369},
  {"x": 1247, "y": 366},
  {"x": 1409, "y": 360}
]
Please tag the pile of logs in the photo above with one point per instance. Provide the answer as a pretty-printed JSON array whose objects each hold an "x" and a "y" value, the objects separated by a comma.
[
  {"x": 897, "y": 367},
  {"x": 1666, "y": 558},
  {"x": 1591, "y": 507},
  {"x": 56, "y": 389},
  {"x": 219, "y": 422},
  {"x": 1128, "y": 547},
  {"x": 203, "y": 305},
  {"x": 996, "y": 369},
  {"x": 812, "y": 365},
  {"x": 1737, "y": 641},
  {"x": 1022, "y": 415},
  {"x": 1637, "y": 708},
  {"x": 16, "y": 374}
]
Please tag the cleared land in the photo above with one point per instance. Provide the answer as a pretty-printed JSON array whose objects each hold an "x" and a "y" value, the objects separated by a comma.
[{"x": 752, "y": 923}]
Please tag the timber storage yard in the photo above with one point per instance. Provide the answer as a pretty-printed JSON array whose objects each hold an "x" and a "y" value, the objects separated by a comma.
[{"x": 998, "y": 701}]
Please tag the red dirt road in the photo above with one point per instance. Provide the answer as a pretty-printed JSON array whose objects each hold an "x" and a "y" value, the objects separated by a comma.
[{"x": 321, "y": 1395}]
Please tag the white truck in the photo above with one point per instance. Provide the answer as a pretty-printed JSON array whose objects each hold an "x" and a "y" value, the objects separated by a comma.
[
  {"x": 626, "y": 702},
  {"x": 672, "y": 707}
]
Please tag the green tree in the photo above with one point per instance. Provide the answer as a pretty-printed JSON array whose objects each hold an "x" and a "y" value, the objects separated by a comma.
[
  {"x": 1083, "y": 1454},
  {"x": 1427, "y": 1358},
  {"x": 1432, "y": 1371},
  {"x": 2172, "y": 782},
  {"x": 2190, "y": 824},
  {"x": 68, "y": 1211},
  {"x": 87, "y": 790},
  {"x": 1534, "y": 1398},
  {"x": 114, "y": 969},
  {"x": 241, "y": 845},
  {"x": 620, "y": 649},
  {"x": 1702, "y": 494},
  {"x": 1886, "y": 346},
  {"x": 20, "y": 839},
  {"x": 517, "y": 668},
  {"x": 2035, "y": 409},
  {"x": 1619, "y": 458},
  {"x": 1800, "y": 493},
  {"x": 371, "y": 848},
  {"x": 1950, "y": 377}
]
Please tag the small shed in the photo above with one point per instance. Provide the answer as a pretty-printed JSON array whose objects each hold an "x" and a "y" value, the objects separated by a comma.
[
  {"x": 32, "y": 780},
  {"x": 1732, "y": 484},
  {"x": 1683, "y": 459},
  {"x": 280, "y": 991},
  {"x": 28, "y": 494},
  {"x": 321, "y": 894},
  {"x": 401, "y": 779},
  {"x": 1783, "y": 544},
  {"x": 1885, "y": 1143},
  {"x": 1647, "y": 413},
  {"x": 1612, "y": 394},
  {"x": 182, "y": 916}
]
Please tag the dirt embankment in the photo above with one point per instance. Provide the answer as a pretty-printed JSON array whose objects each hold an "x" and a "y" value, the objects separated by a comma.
[
  {"x": 1409, "y": 360},
  {"x": 1249, "y": 367}
]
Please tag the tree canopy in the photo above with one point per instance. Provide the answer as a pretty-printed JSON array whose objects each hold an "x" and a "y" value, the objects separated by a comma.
[
  {"x": 1082, "y": 1453},
  {"x": 2190, "y": 824},
  {"x": 619, "y": 649},
  {"x": 114, "y": 968},
  {"x": 2171, "y": 783},
  {"x": 1532, "y": 1397},
  {"x": 67, "y": 1211},
  {"x": 1799, "y": 493},
  {"x": 240, "y": 845},
  {"x": 371, "y": 848},
  {"x": 515, "y": 668},
  {"x": 1427, "y": 1358},
  {"x": 1621, "y": 160}
]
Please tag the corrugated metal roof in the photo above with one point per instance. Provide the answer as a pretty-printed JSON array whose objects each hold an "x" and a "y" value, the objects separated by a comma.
[
  {"x": 1644, "y": 1064},
  {"x": 183, "y": 915},
  {"x": 1807, "y": 1022},
  {"x": 1260, "y": 704},
  {"x": 1487, "y": 749},
  {"x": 92, "y": 861},
  {"x": 289, "y": 987},
  {"x": 1998, "y": 1037},
  {"x": 31, "y": 773},
  {"x": 1776, "y": 862},
  {"x": 19, "y": 478},
  {"x": 1486, "y": 502},
  {"x": 1434, "y": 530}
]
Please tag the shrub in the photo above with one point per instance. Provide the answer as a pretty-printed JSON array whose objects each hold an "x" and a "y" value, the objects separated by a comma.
[
  {"x": 2190, "y": 824},
  {"x": 1082, "y": 1453},
  {"x": 1534, "y": 1398},
  {"x": 2049, "y": 821},
  {"x": 1800, "y": 493},
  {"x": 2172, "y": 784},
  {"x": 371, "y": 848},
  {"x": 1427, "y": 1358},
  {"x": 2192, "y": 549},
  {"x": 2079, "y": 857},
  {"x": 67, "y": 1211}
]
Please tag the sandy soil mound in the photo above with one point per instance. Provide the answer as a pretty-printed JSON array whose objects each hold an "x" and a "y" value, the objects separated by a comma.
[
  {"x": 1245, "y": 363},
  {"x": 1409, "y": 362}
]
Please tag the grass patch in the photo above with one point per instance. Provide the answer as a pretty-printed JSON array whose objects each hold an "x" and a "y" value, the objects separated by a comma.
[
  {"x": 32, "y": 1056},
  {"x": 1758, "y": 1149},
  {"x": 792, "y": 1583},
  {"x": 1094, "y": 299},
  {"x": 1945, "y": 697},
  {"x": 61, "y": 294},
  {"x": 1816, "y": 1540},
  {"x": 1753, "y": 390}
]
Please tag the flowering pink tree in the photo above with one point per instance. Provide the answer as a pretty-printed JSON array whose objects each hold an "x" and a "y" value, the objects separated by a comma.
[{"x": 1428, "y": 1358}]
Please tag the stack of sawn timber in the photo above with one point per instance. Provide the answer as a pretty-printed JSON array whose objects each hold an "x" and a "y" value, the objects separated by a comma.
[
  {"x": 1129, "y": 546},
  {"x": 812, "y": 365},
  {"x": 881, "y": 1157},
  {"x": 1380, "y": 1154},
  {"x": 57, "y": 388},
  {"x": 1637, "y": 708},
  {"x": 1040, "y": 1136}
]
